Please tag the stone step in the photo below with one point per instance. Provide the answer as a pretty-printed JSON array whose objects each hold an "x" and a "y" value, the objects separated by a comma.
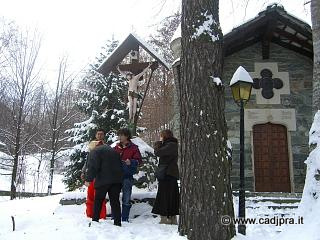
[
  {"x": 275, "y": 207},
  {"x": 276, "y": 200},
  {"x": 270, "y": 194}
]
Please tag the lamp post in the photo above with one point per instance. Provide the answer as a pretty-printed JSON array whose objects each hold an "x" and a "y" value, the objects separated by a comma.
[{"x": 241, "y": 85}]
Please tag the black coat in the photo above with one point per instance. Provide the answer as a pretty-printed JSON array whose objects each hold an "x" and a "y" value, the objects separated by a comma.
[
  {"x": 104, "y": 166},
  {"x": 167, "y": 151}
]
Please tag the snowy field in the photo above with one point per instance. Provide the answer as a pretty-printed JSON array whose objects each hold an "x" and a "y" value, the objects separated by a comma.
[
  {"x": 45, "y": 218},
  {"x": 35, "y": 175}
]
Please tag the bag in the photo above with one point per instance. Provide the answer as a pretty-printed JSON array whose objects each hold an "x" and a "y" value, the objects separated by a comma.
[{"x": 161, "y": 172}]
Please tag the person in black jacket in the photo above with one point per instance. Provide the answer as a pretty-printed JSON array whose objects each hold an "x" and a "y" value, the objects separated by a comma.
[
  {"x": 105, "y": 167},
  {"x": 168, "y": 197}
]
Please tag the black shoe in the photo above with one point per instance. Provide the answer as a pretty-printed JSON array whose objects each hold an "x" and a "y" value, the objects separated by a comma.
[
  {"x": 93, "y": 223},
  {"x": 117, "y": 224}
]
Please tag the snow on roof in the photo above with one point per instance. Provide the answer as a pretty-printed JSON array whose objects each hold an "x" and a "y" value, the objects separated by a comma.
[
  {"x": 175, "y": 61},
  {"x": 241, "y": 75},
  {"x": 274, "y": 7},
  {"x": 146, "y": 46},
  {"x": 122, "y": 50},
  {"x": 3, "y": 144},
  {"x": 177, "y": 33}
]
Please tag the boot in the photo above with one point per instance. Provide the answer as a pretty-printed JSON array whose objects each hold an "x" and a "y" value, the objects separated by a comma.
[
  {"x": 164, "y": 220},
  {"x": 173, "y": 220},
  {"x": 125, "y": 213}
]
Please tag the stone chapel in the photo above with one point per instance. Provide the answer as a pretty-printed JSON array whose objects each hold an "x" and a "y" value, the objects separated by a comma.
[{"x": 276, "y": 49}]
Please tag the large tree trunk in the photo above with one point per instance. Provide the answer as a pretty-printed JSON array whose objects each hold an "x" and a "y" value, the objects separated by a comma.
[
  {"x": 315, "y": 18},
  {"x": 206, "y": 193}
]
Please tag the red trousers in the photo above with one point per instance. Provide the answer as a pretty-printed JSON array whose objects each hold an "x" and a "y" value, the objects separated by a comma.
[{"x": 90, "y": 201}]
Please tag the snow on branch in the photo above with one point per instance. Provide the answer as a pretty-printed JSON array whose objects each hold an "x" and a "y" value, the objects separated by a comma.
[{"x": 216, "y": 80}]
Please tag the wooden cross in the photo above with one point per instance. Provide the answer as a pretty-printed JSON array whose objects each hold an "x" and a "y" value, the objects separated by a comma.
[{"x": 136, "y": 67}]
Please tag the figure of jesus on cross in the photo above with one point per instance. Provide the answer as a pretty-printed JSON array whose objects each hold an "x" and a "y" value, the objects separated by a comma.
[{"x": 133, "y": 94}]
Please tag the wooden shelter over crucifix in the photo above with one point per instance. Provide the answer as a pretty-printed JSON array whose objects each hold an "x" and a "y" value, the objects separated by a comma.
[{"x": 133, "y": 71}]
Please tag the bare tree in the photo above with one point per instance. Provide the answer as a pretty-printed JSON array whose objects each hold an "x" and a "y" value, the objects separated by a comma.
[
  {"x": 159, "y": 114},
  {"x": 60, "y": 111},
  {"x": 21, "y": 75}
]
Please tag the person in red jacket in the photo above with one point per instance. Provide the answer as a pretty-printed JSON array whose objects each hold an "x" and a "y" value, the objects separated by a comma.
[
  {"x": 91, "y": 191},
  {"x": 131, "y": 158}
]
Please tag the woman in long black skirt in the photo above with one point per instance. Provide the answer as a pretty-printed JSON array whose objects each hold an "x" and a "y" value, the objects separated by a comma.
[{"x": 168, "y": 197}]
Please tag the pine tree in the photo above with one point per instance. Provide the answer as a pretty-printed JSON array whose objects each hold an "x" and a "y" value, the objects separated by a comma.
[{"x": 102, "y": 100}]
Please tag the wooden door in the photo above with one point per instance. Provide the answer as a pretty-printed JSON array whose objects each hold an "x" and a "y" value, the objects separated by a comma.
[{"x": 271, "y": 159}]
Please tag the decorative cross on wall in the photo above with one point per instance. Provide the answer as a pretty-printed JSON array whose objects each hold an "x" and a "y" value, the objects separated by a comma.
[{"x": 267, "y": 83}]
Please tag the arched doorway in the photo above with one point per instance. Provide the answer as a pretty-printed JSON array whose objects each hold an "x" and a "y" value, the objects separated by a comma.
[{"x": 271, "y": 159}]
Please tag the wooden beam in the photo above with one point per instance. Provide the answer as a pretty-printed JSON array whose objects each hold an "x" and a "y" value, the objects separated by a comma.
[
  {"x": 228, "y": 50},
  {"x": 294, "y": 38},
  {"x": 299, "y": 29},
  {"x": 244, "y": 32},
  {"x": 293, "y": 48},
  {"x": 135, "y": 67},
  {"x": 266, "y": 39}
]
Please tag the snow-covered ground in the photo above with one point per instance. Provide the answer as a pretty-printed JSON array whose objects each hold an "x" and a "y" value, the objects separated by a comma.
[{"x": 45, "y": 218}]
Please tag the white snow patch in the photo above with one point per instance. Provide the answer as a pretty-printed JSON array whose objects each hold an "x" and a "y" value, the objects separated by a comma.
[
  {"x": 177, "y": 33},
  {"x": 175, "y": 61},
  {"x": 206, "y": 28},
  {"x": 216, "y": 80},
  {"x": 137, "y": 193},
  {"x": 151, "y": 49},
  {"x": 229, "y": 145},
  {"x": 314, "y": 133}
]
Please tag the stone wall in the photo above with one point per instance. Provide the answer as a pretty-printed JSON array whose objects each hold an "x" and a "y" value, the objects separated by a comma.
[{"x": 300, "y": 98}]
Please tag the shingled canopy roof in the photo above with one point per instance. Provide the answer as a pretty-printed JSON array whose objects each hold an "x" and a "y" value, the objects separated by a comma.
[
  {"x": 129, "y": 44},
  {"x": 274, "y": 25}
]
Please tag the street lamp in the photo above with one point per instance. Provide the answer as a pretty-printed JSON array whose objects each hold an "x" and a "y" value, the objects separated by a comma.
[{"x": 241, "y": 85}]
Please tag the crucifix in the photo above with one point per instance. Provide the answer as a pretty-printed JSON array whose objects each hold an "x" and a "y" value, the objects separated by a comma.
[
  {"x": 133, "y": 72},
  {"x": 133, "y": 94}
]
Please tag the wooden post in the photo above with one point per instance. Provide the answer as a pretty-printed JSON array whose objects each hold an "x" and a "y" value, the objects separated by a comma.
[{"x": 133, "y": 125}]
